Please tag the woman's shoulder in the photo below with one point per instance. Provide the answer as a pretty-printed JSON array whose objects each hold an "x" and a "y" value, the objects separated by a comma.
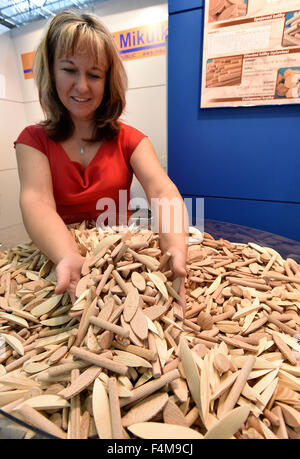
[
  {"x": 35, "y": 129},
  {"x": 128, "y": 129},
  {"x": 129, "y": 138},
  {"x": 130, "y": 134},
  {"x": 33, "y": 135}
]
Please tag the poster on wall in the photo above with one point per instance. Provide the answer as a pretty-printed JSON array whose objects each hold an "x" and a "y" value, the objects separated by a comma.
[{"x": 251, "y": 53}]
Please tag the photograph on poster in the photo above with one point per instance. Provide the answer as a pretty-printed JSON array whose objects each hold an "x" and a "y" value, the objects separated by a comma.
[
  {"x": 220, "y": 10},
  {"x": 288, "y": 83},
  {"x": 291, "y": 35}
]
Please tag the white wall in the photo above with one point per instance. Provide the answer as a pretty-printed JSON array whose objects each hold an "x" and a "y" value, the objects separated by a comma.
[
  {"x": 12, "y": 116},
  {"x": 19, "y": 106}
]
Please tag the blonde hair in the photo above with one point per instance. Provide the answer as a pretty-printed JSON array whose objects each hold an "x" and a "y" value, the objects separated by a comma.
[{"x": 63, "y": 36}]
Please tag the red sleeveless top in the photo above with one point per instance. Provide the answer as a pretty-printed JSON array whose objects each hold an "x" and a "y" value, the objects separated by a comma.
[{"x": 77, "y": 189}]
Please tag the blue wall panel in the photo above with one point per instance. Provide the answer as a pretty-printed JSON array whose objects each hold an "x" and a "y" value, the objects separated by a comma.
[
  {"x": 263, "y": 215},
  {"x": 176, "y": 6},
  {"x": 243, "y": 153}
]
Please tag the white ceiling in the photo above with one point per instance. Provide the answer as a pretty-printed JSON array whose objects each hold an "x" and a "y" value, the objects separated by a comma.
[{"x": 20, "y": 12}]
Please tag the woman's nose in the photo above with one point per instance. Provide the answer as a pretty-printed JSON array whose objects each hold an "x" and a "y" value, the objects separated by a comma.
[{"x": 82, "y": 82}]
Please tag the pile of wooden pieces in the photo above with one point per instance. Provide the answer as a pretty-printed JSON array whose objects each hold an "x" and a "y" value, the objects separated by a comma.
[
  {"x": 291, "y": 36},
  {"x": 220, "y": 10},
  {"x": 124, "y": 362},
  {"x": 225, "y": 71}
]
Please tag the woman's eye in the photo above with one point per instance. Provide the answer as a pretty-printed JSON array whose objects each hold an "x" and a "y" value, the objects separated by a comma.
[
  {"x": 94, "y": 76},
  {"x": 69, "y": 70}
]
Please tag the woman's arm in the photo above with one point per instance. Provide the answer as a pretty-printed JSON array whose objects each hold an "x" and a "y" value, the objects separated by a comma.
[
  {"x": 43, "y": 224},
  {"x": 166, "y": 203}
]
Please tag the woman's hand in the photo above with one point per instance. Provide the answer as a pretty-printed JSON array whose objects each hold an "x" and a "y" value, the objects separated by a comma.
[
  {"x": 68, "y": 272},
  {"x": 178, "y": 267},
  {"x": 177, "y": 264}
]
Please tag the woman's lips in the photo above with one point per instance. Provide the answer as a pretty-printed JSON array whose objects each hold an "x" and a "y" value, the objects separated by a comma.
[{"x": 80, "y": 99}]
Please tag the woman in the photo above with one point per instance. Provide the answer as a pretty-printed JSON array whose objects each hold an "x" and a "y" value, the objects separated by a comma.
[{"x": 82, "y": 152}]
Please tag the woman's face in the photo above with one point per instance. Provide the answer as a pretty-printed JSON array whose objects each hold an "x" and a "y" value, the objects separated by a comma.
[{"x": 80, "y": 83}]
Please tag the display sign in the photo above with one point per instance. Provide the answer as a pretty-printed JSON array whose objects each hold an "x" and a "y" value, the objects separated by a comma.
[
  {"x": 135, "y": 43},
  {"x": 140, "y": 42},
  {"x": 251, "y": 53}
]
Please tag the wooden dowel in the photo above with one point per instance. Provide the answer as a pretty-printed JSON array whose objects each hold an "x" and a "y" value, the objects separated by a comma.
[
  {"x": 273, "y": 418},
  {"x": 156, "y": 368},
  {"x": 74, "y": 422},
  {"x": 192, "y": 416},
  {"x": 115, "y": 412},
  {"x": 120, "y": 281},
  {"x": 109, "y": 326},
  {"x": 99, "y": 361},
  {"x": 137, "y": 350},
  {"x": 247, "y": 283},
  {"x": 104, "y": 279},
  {"x": 34, "y": 418},
  {"x": 281, "y": 277},
  {"x": 285, "y": 328},
  {"x": 150, "y": 387},
  {"x": 19, "y": 362}
]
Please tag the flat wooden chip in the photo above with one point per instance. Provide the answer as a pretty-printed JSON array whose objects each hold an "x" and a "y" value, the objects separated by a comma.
[
  {"x": 192, "y": 374},
  {"x": 180, "y": 389},
  {"x": 131, "y": 304},
  {"x": 106, "y": 242},
  {"x": 2, "y": 371},
  {"x": 265, "y": 381},
  {"x": 46, "y": 402},
  {"x": 205, "y": 378},
  {"x": 172, "y": 414},
  {"x": 144, "y": 378},
  {"x": 139, "y": 324},
  {"x": 81, "y": 383},
  {"x": 56, "y": 339},
  {"x": 35, "y": 367},
  {"x": 58, "y": 354},
  {"x": 56, "y": 321},
  {"x": 255, "y": 306},
  {"x": 267, "y": 394},
  {"x": 101, "y": 411},
  {"x": 159, "y": 284},
  {"x": 154, "y": 312},
  {"x": 291, "y": 415},
  {"x": 229, "y": 425},
  {"x": 82, "y": 285},
  {"x": 14, "y": 319},
  {"x": 151, "y": 325},
  {"x": 260, "y": 363},
  {"x": 130, "y": 360},
  {"x": 11, "y": 396},
  {"x": 158, "y": 430},
  {"x": 46, "y": 306},
  {"x": 213, "y": 287},
  {"x": 145, "y": 410},
  {"x": 138, "y": 281},
  {"x": 13, "y": 342},
  {"x": 46, "y": 268},
  {"x": 162, "y": 349}
]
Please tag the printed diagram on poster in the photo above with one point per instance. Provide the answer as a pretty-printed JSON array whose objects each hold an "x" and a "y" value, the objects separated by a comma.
[{"x": 251, "y": 53}]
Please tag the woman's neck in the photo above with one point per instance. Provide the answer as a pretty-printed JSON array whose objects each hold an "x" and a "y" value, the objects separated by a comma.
[{"x": 83, "y": 129}]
